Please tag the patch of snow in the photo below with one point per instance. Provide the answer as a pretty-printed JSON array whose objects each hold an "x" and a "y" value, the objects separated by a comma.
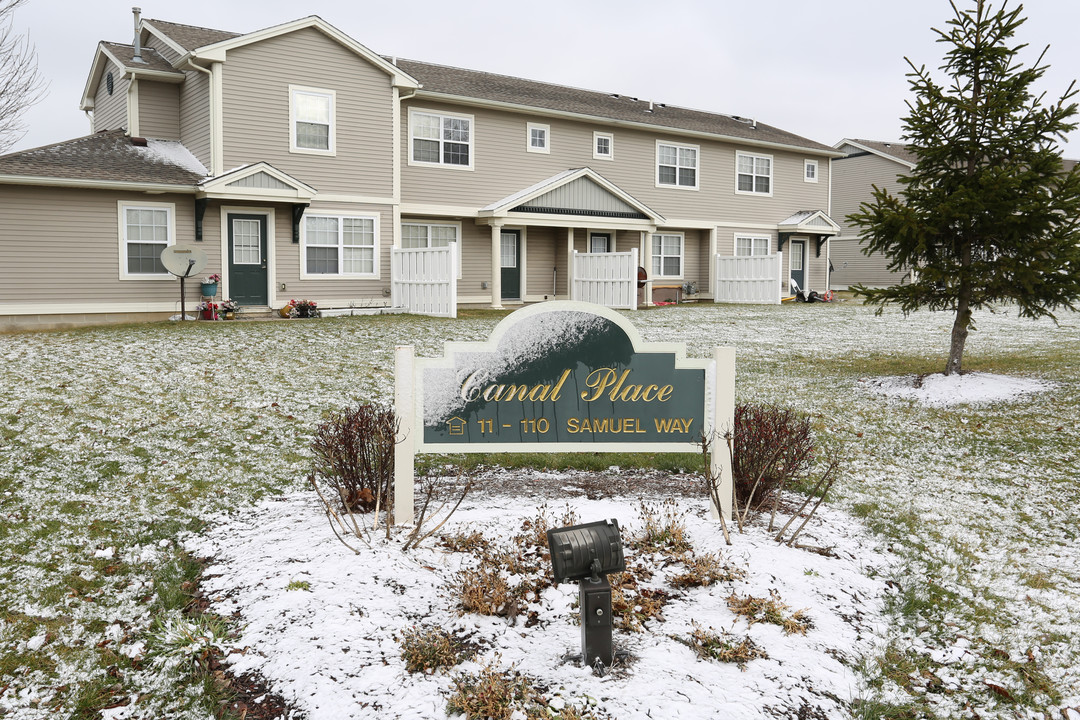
[
  {"x": 171, "y": 152},
  {"x": 940, "y": 390},
  {"x": 106, "y": 553}
]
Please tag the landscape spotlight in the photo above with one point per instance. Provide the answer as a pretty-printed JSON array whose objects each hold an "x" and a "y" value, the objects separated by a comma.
[{"x": 586, "y": 554}]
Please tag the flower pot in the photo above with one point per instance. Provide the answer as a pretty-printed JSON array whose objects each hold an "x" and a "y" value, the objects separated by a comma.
[
  {"x": 230, "y": 315},
  {"x": 208, "y": 315},
  {"x": 303, "y": 312},
  {"x": 284, "y": 312},
  {"x": 209, "y": 289}
]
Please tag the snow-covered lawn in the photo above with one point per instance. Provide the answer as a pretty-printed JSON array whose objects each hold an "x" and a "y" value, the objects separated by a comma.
[{"x": 120, "y": 444}]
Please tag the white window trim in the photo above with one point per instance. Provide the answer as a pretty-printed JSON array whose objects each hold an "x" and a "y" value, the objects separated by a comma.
[
  {"x": 442, "y": 113},
  {"x": 429, "y": 223},
  {"x": 332, "y": 140},
  {"x": 611, "y": 145},
  {"x": 697, "y": 167},
  {"x": 546, "y": 149},
  {"x": 122, "y": 206},
  {"x": 682, "y": 255},
  {"x": 340, "y": 215},
  {"x": 807, "y": 164},
  {"x": 752, "y": 238},
  {"x": 772, "y": 174}
]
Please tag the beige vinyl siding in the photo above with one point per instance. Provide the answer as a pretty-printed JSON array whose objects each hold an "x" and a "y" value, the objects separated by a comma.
[
  {"x": 502, "y": 166},
  {"x": 475, "y": 260},
  {"x": 334, "y": 290},
  {"x": 110, "y": 111},
  {"x": 61, "y": 246},
  {"x": 256, "y": 81},
  {"x": 853, "y": 181},
  {"x": 195, "y": 115},
  {"x": 542, "y": 250},
  {"x": 155, "y": 43},
  {"x": 159, "y": 110}
]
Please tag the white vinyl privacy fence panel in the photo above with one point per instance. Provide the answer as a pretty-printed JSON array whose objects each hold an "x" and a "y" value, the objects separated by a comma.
[
  {"x": 424, "y": 280},
  {"x": 608, "y": 279},
  {"x": 748, "y": 279}
]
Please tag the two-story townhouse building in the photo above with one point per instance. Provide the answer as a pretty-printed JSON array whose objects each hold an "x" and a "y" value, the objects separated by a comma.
[{"x": 296, "y": 158}]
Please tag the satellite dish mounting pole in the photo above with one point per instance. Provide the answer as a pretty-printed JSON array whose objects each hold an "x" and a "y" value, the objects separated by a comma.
[{"x": 183, "y": 294}]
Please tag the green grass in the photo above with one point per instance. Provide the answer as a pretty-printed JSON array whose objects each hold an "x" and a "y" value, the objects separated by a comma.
[{"x": 133, "y": 436}]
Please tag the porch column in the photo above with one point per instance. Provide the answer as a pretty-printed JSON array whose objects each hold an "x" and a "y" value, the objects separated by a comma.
[
  {"x": 569, "y": 263},
  {"x": 646, "y": 262},
  {"x": 496, "y": 265},
  {"x": 712, "y": 261}
]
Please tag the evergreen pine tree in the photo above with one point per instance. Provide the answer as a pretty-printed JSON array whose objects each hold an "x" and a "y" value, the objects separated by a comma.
[{"x": 988, "y": 215}]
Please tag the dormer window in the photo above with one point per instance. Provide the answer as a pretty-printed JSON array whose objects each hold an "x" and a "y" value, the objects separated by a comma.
[{"x": 312, "y": 113}]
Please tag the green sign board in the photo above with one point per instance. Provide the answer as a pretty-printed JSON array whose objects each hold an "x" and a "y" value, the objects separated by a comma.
[{"x": 568, "y": 376}]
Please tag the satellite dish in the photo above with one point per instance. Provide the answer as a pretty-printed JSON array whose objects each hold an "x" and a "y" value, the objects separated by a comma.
[{"x": 183, "y": 262}]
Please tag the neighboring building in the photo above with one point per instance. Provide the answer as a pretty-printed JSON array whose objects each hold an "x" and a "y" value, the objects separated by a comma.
[
  {"x": 866, "y": 163},
  {"x": 297, "y": 158}
]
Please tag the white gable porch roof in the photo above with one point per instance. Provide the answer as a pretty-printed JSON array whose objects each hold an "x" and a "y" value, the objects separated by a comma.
[
  {"x": 257, "y": 181},
  {"x": 810, "y": 222},
  {"x": 604, "y": 199}
]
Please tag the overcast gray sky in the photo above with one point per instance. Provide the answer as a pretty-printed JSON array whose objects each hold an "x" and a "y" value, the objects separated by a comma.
[{"x": 824, "y": 69}]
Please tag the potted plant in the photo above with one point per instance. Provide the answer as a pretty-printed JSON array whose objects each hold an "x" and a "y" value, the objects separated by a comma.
[
  {"x": 208, "y": 310},
  {"x": 209, "y": 285},
  {"x": 287, "y": 311},
  {"x": 229, "y": 308},
  {"x": 305, "y": 308}
]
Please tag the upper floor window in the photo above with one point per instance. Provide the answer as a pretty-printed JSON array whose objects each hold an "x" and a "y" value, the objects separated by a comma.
[
  {"x": 677, "y": 165},
  {"x": 425, "y": 235},
  {"x": 603, "y": 146},
  {"x": 339, "y": 245},
  {"x": 753, "y": 174},
  {"x": 440, "y": 139},
  {"x": 810, "y": 170},
  {"x": 312, "y": 113},
  {"x": 145, "y": 230},
  {"x": 538, "y": 138},
  {"x": 751, "y": 245},
  {"x": 667, "y": 255}
]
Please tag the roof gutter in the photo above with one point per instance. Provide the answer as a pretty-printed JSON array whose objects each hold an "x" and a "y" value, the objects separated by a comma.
[
  {"x": 652, "y": 127},
  {"x": 41, "y": 181}
]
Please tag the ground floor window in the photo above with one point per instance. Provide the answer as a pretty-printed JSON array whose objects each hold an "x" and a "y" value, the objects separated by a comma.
[
  {"x": 667, "y": 255},
  {"x": 424, "y": 235},
  {"x": 145, "y": 230},
  {"x": 751, "y": 245},
  {"x": 339, "y": 245}
]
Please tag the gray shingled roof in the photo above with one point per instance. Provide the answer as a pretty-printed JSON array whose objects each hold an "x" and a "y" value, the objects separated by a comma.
[
  {"x": 517, "y": 91},
  {"x": 109, "y": 157},
  {"x": 190, "y": 37},
  {"x": 897, "y": 150},
  {"x": 152, "y": 60}
]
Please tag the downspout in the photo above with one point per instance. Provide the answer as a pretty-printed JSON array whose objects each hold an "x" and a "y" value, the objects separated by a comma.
[{"x": 216, "y": 162}]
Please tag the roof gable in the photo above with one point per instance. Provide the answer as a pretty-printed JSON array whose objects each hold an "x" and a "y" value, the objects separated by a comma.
[
  {"x": 576, "y": 192},
  {"x": 217, "y": 51},
  {"x": 257, "y": 181},
  {"x": 809, "y": 221},
  {"x": 896, "y": 152},
  {"x": 152, "y": 67}
]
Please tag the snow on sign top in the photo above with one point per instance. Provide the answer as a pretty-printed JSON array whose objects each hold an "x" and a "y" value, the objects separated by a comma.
[{"x": 562, "y": 376}]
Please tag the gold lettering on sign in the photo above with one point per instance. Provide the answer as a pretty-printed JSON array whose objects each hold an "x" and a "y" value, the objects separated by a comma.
[
  {"x": 473, "y": 389},
  {"x": 601, "y": 379}
]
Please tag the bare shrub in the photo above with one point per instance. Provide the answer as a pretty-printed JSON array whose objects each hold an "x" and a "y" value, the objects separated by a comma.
[
  {"x": 633, "y": 605},
  {"x": 354, "y": 456},
  {"x": 705, "y": 570},
  {"x": 663, "y": 529},
  {"x": 770, "y": 610},
  {"x": 428, "y": 648},
  {"x": 724, "y": 646},
  {"x": 772, "y": 446},
  {"x": 485, "y": 591},
  {"x": 488, "y": 694}
]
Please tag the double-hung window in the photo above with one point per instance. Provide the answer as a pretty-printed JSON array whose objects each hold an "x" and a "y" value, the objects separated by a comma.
[
  {"x": 746, "y": 245},
  {"x": 428, "y": 235},
  {"x": 538, "y": 138},
  {"x": 145, "y": 230},
  {"x": 677, "y": 165},
  {"x": 603, "y": 146},
  {"x": 810, "y": 171},
  {"x": 667, "y": 255},
  {"x": 440, "y": 139},
  {"x": 753, "y": 174},
  {"x": 339, "y": 245},
  {"x": 312, "y": 115}
]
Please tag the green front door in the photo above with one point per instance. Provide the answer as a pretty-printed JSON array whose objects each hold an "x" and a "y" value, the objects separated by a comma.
[
  {"x": 248, "y": 280},
  {"x": 797, "y": 261},
  {"x": 511, "y": 265}
]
